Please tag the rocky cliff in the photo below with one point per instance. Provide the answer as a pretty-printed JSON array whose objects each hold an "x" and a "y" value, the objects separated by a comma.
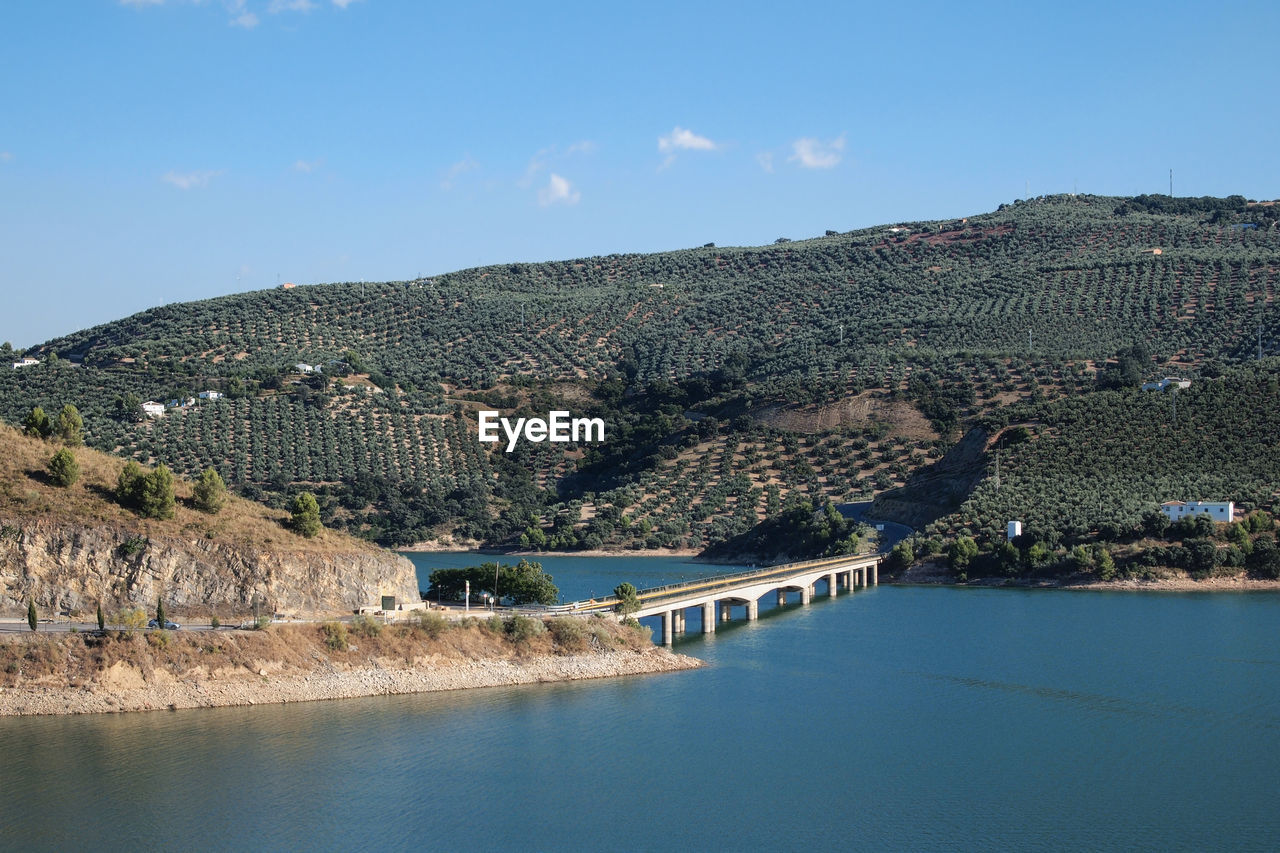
[{"x": 62, "y": 565}]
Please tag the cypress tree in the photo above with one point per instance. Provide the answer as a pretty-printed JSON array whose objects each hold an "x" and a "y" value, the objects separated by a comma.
[
  {"x": 31, "y": 613},
  {"x": 102, "y": 619}
]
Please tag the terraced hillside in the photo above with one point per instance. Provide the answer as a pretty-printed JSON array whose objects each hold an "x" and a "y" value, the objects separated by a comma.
[{"x": 733, "y": 380}]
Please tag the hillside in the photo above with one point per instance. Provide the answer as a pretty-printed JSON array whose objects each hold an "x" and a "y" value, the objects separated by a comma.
[
  {"x": 75, "y": 546},
  {"x": 736, "y": 382}
]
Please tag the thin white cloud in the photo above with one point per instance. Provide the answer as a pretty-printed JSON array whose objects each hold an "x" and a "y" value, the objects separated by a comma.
[
  {"x": 308, "y": 166},
  {"x": 342, "y": 4},
  {"x": 558, "y": 191},
  {"x": 811, "y": 153},
  {"x": 140, "y": 3},
  {"x": 457, "y": 170},
  {"x": 278, "y": 6},
  {"x": 6, "y": 156},
  {"x": 542, "y": 160},
  {"x": 190, "y": 180},
  {"x": 681, "y": 139},
  {"x": 245, "y": 20},
  {"x": 765, "y": 159}
]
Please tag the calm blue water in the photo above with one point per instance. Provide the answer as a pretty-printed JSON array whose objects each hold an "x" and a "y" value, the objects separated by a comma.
[{"x": 894, "y": 718}]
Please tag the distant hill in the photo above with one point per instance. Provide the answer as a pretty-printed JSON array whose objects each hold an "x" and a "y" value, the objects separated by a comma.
[{"x": 737, "y": 382}]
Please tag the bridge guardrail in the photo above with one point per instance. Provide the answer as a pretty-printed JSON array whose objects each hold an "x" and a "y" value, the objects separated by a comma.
[{"x": 710, "y": 582}]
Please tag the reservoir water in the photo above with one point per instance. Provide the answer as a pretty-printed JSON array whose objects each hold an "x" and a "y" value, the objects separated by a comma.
[{"x": 901, "y": 718}]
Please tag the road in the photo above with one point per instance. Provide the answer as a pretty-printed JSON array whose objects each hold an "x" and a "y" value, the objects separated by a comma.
[{"x": 891, "y": 535}]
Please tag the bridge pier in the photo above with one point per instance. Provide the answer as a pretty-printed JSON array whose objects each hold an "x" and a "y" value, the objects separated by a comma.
[
  {"x": 782, "y": 597},
  {"x": 726, "y": 612},
  {"x": 709, "y": 617},
  {"x": 753, "y": 611},
  {"x": 831, "y": 584},
  {"x": 806, "y": 592},
  {"x": 679, "y": 619},
  {"x": 668, "y": 617},
  {"x": 875, "y": 574}
]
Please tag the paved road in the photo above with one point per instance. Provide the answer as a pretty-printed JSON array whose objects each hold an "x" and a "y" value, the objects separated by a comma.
[{"x": 891, "y": 535}]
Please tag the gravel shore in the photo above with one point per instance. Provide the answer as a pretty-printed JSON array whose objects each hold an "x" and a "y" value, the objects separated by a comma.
[{"x": 123, "y": 688}]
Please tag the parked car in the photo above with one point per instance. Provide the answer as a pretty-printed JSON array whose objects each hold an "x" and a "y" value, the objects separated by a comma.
[{"x": 169, "y": 626}]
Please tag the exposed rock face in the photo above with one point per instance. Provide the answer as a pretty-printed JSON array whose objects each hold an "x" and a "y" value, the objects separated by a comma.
[{"x": 74, "y": 566}]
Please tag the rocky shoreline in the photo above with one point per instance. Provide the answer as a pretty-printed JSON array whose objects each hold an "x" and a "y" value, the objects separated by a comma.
[{"x": 125, "y": 688}]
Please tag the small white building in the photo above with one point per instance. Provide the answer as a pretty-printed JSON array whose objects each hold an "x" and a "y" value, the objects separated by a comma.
[
  {"x": 211, "y": 395},
  {"x": 1216, "y": 510},
  {"x": 1165, "y": 384},
  {"x": 1013, "y": 531},
  {"x": 26, "y": 362},
  {"x": 152, "y": 409},
  {"x": 304, "y": 368}
]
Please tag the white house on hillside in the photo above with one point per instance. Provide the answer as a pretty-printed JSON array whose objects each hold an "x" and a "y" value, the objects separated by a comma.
[
  {"x": 152, "y": 409},
  {"x": 1217, "y": 511},
  {"x": 304, "y": 368},
  {"x": 26, "y": 362},
  {"x": 1167, "y": 383},
  {"x": 211, "y": 395}
]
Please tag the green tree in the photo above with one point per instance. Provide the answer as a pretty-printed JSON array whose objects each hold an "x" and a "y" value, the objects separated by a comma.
[
  {"x": 128, "y": 484},
  {"x": 102, "y": 618},
  {"x": 901, "y": 557},
  {"x": 131, "y": 620},
  {"x": 63, "y": 468},
  {"x": 31, "y": 613},
  {"x": 69, "y": 426},
  {"x": 306, "y": 515},
  {"x": 156, "y": 498},
  {"x": 209, "y": 492},
  {"x": 160, "y": 615},
  {"x": 628, "y": 601},
  {"x": 962, "y": 552},
  {"x": 37, "y": 423},
  {"x": 129, "y": 408}
]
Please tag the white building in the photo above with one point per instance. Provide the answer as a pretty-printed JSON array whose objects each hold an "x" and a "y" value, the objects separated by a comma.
[
  {"x": 1014, "y": 530},
  {"x": 1217, "y": 511},
  {"x": 304, "y": 368},
  {"x": 152, "y": 409},
  {"x": 211, "y": 395},
  {"x": 1167, "y": 383},
  {"x": 26, "y": 362}
]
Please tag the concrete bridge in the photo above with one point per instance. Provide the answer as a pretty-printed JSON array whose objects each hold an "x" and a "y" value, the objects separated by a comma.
[{"x": 745, "y": 589}]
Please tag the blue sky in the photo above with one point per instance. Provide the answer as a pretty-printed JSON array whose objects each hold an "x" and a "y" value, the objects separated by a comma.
[{"x": 156, "y": 151}]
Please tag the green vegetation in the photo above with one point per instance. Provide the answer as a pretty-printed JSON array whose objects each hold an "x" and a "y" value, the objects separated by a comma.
[
  {"x": 68, "y": 427},
  {"x": 150, "y": 495},
  {"x": 63, "y": 468},
  {"x": 209, "y": 493},
  {"x": 31, "y": 613},
  {"x": 523, "y": 583},
  {"x": 736, "y": 383},
  {"x": 628, "y": 601},
  {"x": 306, "y": 515}
]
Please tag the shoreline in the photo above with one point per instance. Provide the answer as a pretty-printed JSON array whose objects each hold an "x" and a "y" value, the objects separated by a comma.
[
  {"x": 437, "y": 548},
  {"x": 932, "y": 575},
  {"x": 123, "y": 688}
]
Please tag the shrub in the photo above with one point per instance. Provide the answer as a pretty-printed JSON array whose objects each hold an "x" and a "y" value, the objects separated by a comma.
[
  {"x": 432, "y": 623},
  {"x": 158, "y": 639},
  {"x": 335, "y": 636},
  {"x": 306, "y": 515},
  {"x": 366, "y": 626},
  {"x": 261, "y": 623},
  {"x": 214, "y": 621},
  {"x": 523, "y": 629},
  {"x": 209, "y": 493},
  {"x": 63, "y": 468},
  {"x": 131, "y": 620},
  {"x": 569, "y": 634}
]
